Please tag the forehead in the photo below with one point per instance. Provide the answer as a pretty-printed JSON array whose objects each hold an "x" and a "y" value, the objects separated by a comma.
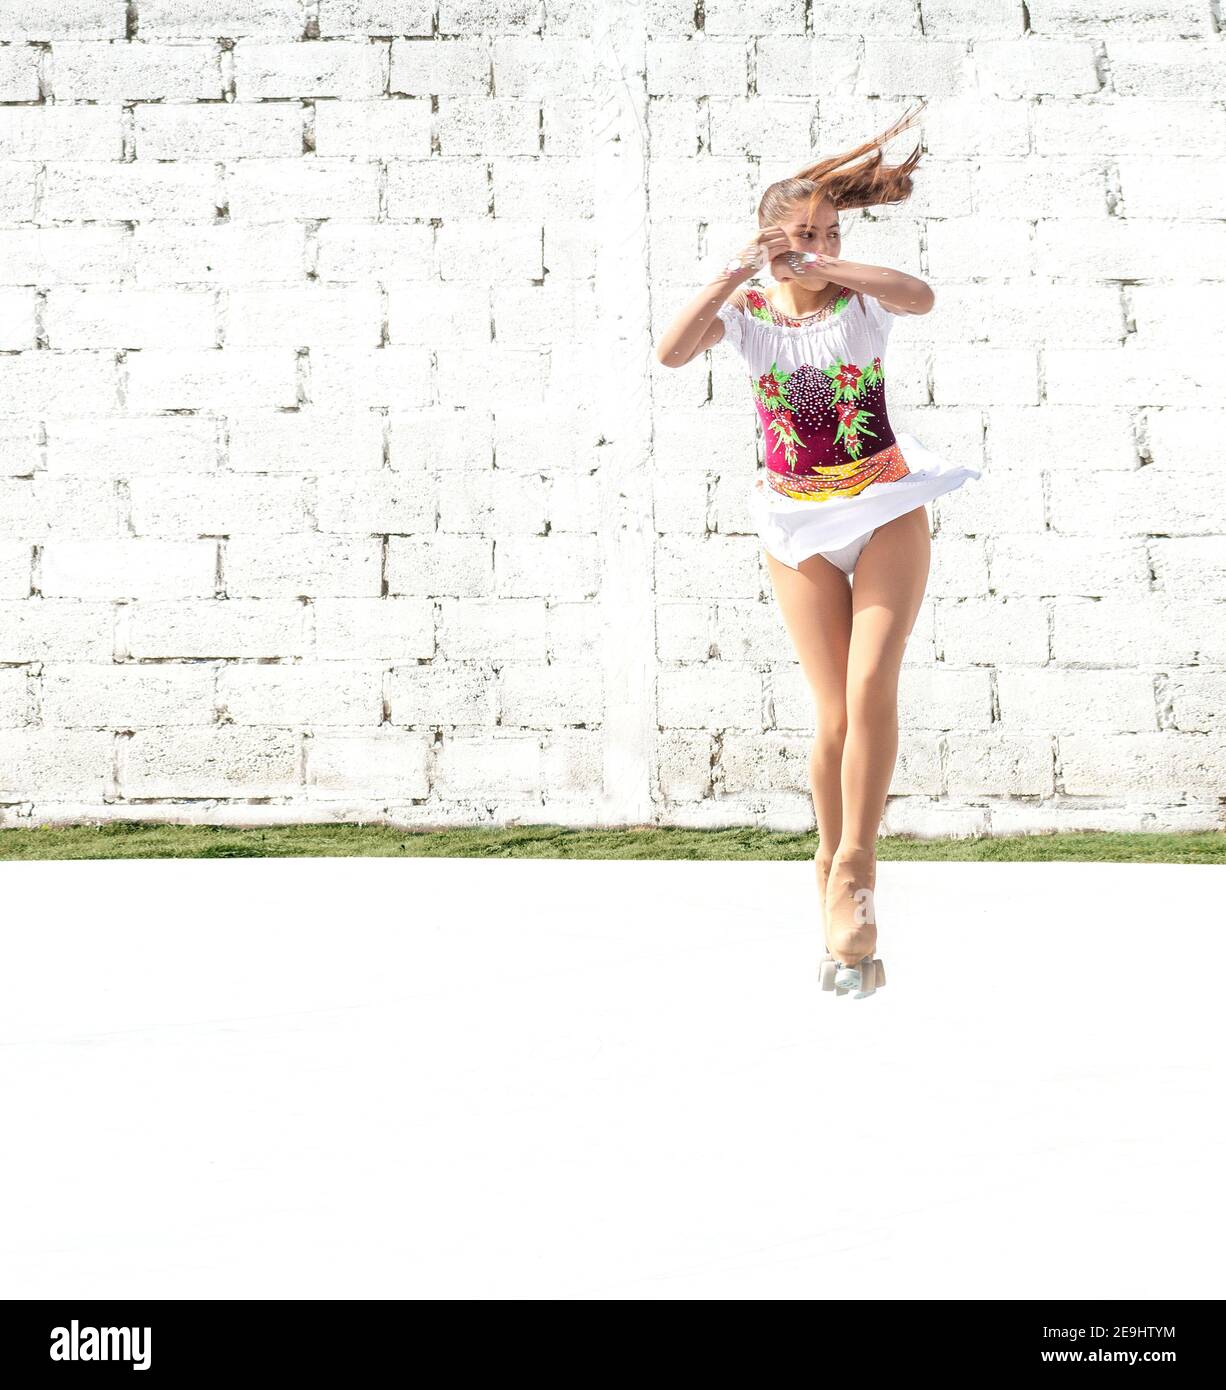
[{"x": 827, "y": 217}]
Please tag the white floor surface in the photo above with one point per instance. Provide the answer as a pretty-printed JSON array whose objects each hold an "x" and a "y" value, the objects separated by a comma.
[{"x": 458, "y": 1078}]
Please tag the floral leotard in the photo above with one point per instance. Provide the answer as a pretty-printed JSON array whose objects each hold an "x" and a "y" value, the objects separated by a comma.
[
  {"x": 835, "y": 468},
  {"x": 822, "y": 407}
]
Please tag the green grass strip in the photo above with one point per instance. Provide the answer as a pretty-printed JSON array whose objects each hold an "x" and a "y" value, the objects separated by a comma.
[{"x": 156, "y": 840}]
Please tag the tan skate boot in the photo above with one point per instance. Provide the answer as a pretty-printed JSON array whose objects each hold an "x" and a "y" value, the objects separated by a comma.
[{"x": 850, "y": 923}]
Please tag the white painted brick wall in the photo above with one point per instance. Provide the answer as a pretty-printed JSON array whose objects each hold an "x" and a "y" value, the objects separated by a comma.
[{"x": 338, "y": 480}]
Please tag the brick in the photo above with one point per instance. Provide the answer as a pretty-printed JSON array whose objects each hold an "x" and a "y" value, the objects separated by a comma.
[
  {"x": 572, "y": 767},
  {"x": 379, "y": 129},
  {"x": 1165, "y": 69},
  {"x": 484, "y": 501},
  {"x": 516, "y": 246},
  {"x": 540, "y": 697},
  {"x": 144, "y": 192},
  {"x": 396, "y": 377},
  {"x": 383, "y": 503},
  {"x": 303, "y": 316},
  {"x": 226, "y": 254},
  {"x": 98, "y": 317},
  {"x": 442, "y": 694},
  {"x": 276, "y": 190},
  {"x": 522, "y": 188},
  {"x": 993, "y": 630},
  {"x": 1195, "y": 700},
  {"x": 975, "y": 124},
  {"x": 743, "y": 127},
  {"x": 770, "y": 762},
  {"x": 564, "y": 566},
  {"x": 385, "y": 629},
  {"x": 949, "y": 699},
  {"x": 18, "y": 329},
  {"x": 727, "y": 695},
  {"x": 142, "y": 70},
  {"x": 1037, "y": 67},
  {"x": 434, "y": 565},
  {"x": 56, "y": 630},
  {"x": 456, "y": 66},
  {"x": 384, "y": 764},
  {"x": 897, "y": 67},
  {"x": 488, "y": 765},
  {"x": 18, "y": 190},
  {"x": 126, "y": 695},
  {"x": 215, "y": 628},
  {"x": 62, "y": 132},
  {"x": 1134, "y": 632},
  {"x": 1050, "y": 564},
  {"x": 212, "y": 131},
  {"x": 41, "y": 507},
  {"x": 489, "y": 629},
  {"x": 697, "y": 66},
  {"x": 324, "y": 68},
  {"x": 285, "y": 566},
  {"x": 309, "y": 440},
  {"x": 477, "y": 125},
  {"x": 331, "y": 693},
  {"x": 223, "y": 378},
  {"x": 47, "y": 762},
  {"x": 216, "y": 504},
  {"x": 19, "y": 71},
  {"x": 1054, "y": 699},
  {"x": 21, "y": 452},
  {"x": 349, "y": 252},
  {"x": 373, "y": 17},
  {"x": 171, "y": 19},
  {"x": 53, "y": 19},
  {"x": 219, "y": 761},
  {"x": 718, "y": 566},
  {"x": 1161, "y": 766},
  {"x": 441, "y": 438},
  {"x": 128, "y": 569},
  {"x": 124, "y": 446},
  {"x": 78, "y": 382},
  {"x": 16, "y": 560},
  {"x": 423, "y": 313},
  {"x": 998, "y": 764},
  {"x": 1143, "y": 502}
]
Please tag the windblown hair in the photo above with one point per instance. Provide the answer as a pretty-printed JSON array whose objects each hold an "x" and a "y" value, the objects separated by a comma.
[{"x": 856, "y": 178}]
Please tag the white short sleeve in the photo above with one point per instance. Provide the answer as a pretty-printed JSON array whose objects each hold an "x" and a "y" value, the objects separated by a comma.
[
  {"x": 731, "y": 316},
  {"x": 879, "y": 316}
]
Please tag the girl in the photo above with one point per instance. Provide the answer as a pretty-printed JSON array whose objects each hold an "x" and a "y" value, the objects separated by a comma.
[{"x": 842, "y": 494}]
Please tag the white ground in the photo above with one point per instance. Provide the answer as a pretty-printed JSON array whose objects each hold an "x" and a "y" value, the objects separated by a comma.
[{"x": 495, "y": 1078}]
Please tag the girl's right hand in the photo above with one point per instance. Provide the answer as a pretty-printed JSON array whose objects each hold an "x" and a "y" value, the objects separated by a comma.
[{"x": 764, "y": 247}]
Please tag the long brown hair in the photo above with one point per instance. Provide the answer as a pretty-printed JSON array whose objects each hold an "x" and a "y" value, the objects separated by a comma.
[{"x": 844, "y": 181}]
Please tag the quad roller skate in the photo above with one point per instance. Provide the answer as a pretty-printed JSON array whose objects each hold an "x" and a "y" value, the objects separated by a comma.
[{"x": 859, "y": 980}]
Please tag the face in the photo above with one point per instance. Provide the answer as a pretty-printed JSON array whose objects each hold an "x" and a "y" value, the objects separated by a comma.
[{"x": 821, "y": 233}]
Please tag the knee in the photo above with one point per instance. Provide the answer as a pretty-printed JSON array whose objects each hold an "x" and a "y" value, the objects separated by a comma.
[
  {"x": 831, "y": 730},
  {"x": 872, "y": 696}
]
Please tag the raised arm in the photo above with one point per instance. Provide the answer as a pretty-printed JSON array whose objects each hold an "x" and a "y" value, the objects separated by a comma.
[
  {"x": 697, "y": 327},
  {"x": 898, "y": 292}
]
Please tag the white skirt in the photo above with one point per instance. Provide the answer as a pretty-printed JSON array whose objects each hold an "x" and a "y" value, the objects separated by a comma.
[{"x": 792, "y": 528}]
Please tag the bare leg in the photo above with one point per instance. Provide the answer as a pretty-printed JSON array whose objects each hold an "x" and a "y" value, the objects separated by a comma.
[
  {"x": 815, "y": 604},
  {"x": 891, "y": 575}
]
